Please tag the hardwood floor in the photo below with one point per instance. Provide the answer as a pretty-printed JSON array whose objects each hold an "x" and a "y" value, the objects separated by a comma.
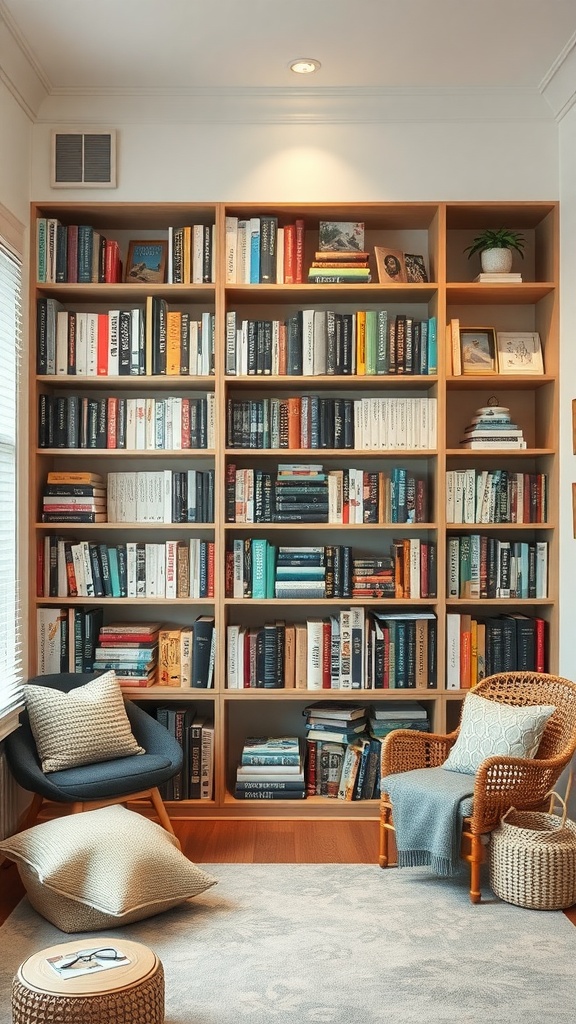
[{"x": 255, "y": 842}]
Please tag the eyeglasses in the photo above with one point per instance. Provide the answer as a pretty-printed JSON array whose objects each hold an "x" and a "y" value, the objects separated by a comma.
[{"x": 87, "y": 956}]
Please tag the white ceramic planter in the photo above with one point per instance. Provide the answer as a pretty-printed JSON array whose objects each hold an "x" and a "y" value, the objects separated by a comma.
[{"x": 496, "y": 261}]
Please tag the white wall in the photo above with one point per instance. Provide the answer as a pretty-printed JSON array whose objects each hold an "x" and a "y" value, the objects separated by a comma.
[
  {"x": 567, "y": 153},
  {"x": 15, "y": 161},
  {"x": 436, "y": 160}
]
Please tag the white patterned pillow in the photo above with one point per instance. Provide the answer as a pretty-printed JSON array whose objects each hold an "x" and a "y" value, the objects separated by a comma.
[
  {"x": 87, "y": 725},
  {"x": 135, "y": 869},
  {"x": 488, "y": 728}
]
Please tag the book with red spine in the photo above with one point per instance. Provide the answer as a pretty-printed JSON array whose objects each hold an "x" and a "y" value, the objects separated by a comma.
[{"x": 299, "y": 253}]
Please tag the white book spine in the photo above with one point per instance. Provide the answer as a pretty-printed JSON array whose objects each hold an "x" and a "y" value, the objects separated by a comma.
[
  {"x": 113, "y": 334},
  {"x": 452, "y": 651},
  {"x": 231, "y": 249},
  {"x": 314, "y": 628},
  {"x": 345, "y": 671},
  {"x": 131, "y": 569},
  {"x": 232, "y": 640}
]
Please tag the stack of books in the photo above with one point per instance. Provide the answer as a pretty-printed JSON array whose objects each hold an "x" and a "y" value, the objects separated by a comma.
[
  {"x": 341, "y": 258},
  {"x": 271, "y": 768},
  {"x": 342, "y": 760},
  {"x": 301, "y": 494},
  {"x": 512, "y": 278},
  {"x": 373, "y": 577},
  {"x": 491, "y": 427},
  {"x": 74, "y": 498},
  {"x": 130, "y": 649},
  {"x": 402, "y": 714},
  {"x": 300, "y": 572}
]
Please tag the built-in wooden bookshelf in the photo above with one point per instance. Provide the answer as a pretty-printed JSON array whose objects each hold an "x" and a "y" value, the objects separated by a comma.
[{"x": 439, "y": 232}]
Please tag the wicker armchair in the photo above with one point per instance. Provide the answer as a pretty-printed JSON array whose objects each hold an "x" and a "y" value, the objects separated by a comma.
[{"x": 501, "y": 782}]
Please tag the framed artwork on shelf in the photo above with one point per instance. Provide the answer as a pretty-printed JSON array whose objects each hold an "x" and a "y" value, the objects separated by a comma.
[
  {"x": 415, "y": 268},
  {"x": 390, "y": 265},
  {"x": 519, "y": 352},
  {"x": 146, "y": 262},
  {"x": 478, "y": 350}
]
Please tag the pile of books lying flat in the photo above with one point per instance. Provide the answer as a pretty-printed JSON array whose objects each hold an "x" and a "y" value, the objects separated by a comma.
[
  {"x": 341, "y": 257},
  {"x": 492, "y": 427},
  {"x": 131, "y": 650},
  {"x": 402, "y": 714},
  {"x": 271, "y": 768}
]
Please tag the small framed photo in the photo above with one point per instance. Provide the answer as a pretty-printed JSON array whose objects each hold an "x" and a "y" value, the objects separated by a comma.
[
  {"x": 478, "y": 350},
  {"x": 390, "y": 265},
  {"x": 341, "y": 236},
  {"x": 415, "y": 268},
  {"x": 146, "y": 263},
  {"x": 519, "y": 352}
]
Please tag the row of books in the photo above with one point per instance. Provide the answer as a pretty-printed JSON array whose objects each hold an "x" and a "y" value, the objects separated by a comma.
[
  {"x": 356, "y": 649},
  {"x": 481, "y": 566},
  {"x": 317, "y": 341},
  {"x": 173, "y": 570},
  {"x": 259, "y": 251},
  {"x": 195, "y": 734},
  {"x": 479, "y": 647},
  {"x": 75, "y": 253},
  {"x": 314, "y": 421},
  {"x": 144, "y": 654},
  {"x": 258, "y": 570},
  {"x": 496, "y": 496},
  {"x": 303, "y": 492},
  {"x": 191, "y": 253},
  {"x": 134, "y": 423},
  {"x": 344, "y": 746},
  {"x": 163, "y": 496},
  {"x": 142, "y": 341}
]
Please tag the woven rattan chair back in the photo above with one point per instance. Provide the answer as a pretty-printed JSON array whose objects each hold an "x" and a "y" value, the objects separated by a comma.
[{"x": 524, "y": 688}]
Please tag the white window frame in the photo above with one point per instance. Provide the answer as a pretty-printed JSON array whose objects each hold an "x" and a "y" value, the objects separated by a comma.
[{"x": 11, "y": 647}]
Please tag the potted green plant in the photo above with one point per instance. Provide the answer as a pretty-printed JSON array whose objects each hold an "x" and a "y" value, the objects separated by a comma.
[{"x": 495, "y": 248}]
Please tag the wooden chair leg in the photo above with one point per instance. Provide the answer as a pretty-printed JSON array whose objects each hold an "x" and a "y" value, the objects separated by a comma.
[
  {"x": 476, "y": 859},
  {"x": 160, "y": 809},
  {"x": 32, "y": 812},
  {"x": 385, "y": 825}
]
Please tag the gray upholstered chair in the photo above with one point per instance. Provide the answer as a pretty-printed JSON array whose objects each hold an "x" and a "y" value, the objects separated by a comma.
[{"x": 97, "y": 785}]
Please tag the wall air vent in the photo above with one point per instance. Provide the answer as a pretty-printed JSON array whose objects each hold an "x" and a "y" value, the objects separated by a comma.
[{"x": 83, "y": 159}]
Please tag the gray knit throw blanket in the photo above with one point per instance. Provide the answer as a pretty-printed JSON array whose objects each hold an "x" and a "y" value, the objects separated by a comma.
[{"x": 428, "y": 805}]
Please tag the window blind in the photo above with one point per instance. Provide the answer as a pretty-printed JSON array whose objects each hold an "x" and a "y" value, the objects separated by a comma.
[{"x": 10, "y": 612}]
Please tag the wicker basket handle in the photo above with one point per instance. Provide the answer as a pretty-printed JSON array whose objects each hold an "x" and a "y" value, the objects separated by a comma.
[{"x": 553, "y": 795}]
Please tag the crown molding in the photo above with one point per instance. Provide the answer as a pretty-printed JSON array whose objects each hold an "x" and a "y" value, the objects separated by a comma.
[
  {"x": 304, "y": 105},
  {"x": 559, "y": 84},
  {"x": 19, "y": 71}
]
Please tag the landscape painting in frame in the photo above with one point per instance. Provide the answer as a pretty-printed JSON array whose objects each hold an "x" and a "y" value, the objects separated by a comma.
[{"x": 146, "y": 262}]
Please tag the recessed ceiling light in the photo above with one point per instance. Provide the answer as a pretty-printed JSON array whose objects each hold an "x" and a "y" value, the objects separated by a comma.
[{"x": 304, "y": 65}]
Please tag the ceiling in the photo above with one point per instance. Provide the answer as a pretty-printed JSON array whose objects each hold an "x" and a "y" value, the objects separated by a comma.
[{"x": 247, "y": 44}]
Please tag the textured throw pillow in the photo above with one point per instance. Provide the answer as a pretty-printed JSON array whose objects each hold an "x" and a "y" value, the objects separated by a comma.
[
  {"x": 488, "y": 728},
  {"x": 103, "y": 868},
  {"x": 87, "y": 725}
]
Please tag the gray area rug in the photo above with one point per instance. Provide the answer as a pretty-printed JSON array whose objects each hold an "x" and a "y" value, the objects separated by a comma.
[{"x": 339, "y": 944}]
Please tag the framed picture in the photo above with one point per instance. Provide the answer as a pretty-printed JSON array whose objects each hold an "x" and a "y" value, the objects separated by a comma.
[
  {"x": 415, "y": 268},
  {"x": 390, "y": 264},
  {"x": 478, "y": 350},
  {"x": 519, "y": 352},
  {"x": 146, "y": 262},
  {"x": 341, "y": 236}
]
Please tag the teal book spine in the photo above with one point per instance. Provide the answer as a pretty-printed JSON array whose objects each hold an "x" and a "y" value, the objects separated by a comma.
[
  {"x": 259, "y": 548},
  {"x": 270, "y": 570},
  {"x": 114, "y": 572}
]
